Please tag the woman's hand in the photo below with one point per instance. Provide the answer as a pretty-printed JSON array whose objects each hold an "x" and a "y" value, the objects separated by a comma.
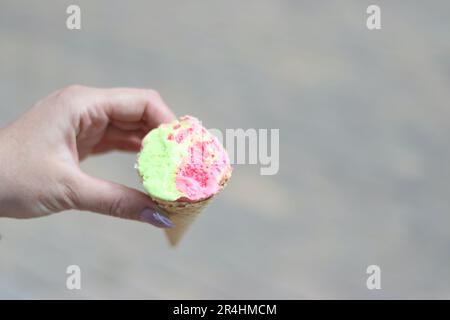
[{"x": 40, "y": 153}]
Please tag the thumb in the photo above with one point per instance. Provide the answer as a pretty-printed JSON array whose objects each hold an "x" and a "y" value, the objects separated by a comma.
[{"x": 118, "y": 201}]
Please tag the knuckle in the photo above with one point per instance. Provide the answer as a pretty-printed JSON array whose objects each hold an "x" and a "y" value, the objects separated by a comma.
[
  {"x": 69, "y": 197},
  {"x": 72, "y": 89},
  {"x": 117, "y": 207},
  {"x": 153, "y": 93}
]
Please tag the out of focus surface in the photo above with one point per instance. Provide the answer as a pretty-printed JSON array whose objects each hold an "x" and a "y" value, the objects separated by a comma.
[{"x": 364, "y": 123}]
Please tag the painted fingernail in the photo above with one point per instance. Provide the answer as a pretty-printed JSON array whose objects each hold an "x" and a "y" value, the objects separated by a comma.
[{"x": 156, "y": 218}]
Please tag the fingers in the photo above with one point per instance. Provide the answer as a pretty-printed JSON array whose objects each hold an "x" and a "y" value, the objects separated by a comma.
[
  {"x": 129, "y": 145},
  {"x": 117, "y": 139},
  {"x": 125, "y": 125},
  {"x": 116, "y": 200},
  {"x": 134, "y": 105},
  {"x": 127, "y": 109},
  {"x": 127, "y": 114}
]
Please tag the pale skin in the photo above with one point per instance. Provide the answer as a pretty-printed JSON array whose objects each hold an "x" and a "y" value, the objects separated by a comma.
[{"x": 40, "y": 153}]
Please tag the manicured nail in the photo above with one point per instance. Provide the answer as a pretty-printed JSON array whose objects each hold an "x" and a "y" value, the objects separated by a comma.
[{"x": 156, "y": 218}]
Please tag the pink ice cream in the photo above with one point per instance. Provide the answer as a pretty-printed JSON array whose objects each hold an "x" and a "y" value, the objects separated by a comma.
[{"x": 183, "y": 161}]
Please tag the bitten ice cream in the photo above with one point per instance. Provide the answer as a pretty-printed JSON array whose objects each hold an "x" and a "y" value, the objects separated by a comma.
[{"x": 182, "y": 166}]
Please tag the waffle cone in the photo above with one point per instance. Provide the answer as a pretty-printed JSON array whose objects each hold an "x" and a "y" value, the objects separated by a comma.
[{"x": 182, "y": 214}]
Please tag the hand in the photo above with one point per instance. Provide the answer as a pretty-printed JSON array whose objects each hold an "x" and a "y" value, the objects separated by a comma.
[{"x": 41, "y": 151}]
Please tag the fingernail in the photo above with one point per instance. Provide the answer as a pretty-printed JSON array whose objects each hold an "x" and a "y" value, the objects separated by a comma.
[{"x": 156, "y": 218}]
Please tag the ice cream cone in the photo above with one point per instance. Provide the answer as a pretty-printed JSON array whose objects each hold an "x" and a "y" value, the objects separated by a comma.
[
  {"x": 182, "y": 214},
  {"x": 182, "y": 167}
]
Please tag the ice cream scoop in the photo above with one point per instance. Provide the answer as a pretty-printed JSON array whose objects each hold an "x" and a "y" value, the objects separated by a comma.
[{"x": 182, "y": 166}]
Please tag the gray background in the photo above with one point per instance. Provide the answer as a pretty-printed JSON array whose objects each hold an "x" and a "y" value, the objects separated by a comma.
[{"x": 364, "y": 147}]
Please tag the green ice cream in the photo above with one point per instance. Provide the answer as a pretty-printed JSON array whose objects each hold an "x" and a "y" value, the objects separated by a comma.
[
  {"x": 182, "y": 160},
  {"x": 158, "y": 162}
]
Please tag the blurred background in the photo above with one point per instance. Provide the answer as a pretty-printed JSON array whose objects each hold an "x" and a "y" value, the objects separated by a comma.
[{"x": 364, "y": 121}]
